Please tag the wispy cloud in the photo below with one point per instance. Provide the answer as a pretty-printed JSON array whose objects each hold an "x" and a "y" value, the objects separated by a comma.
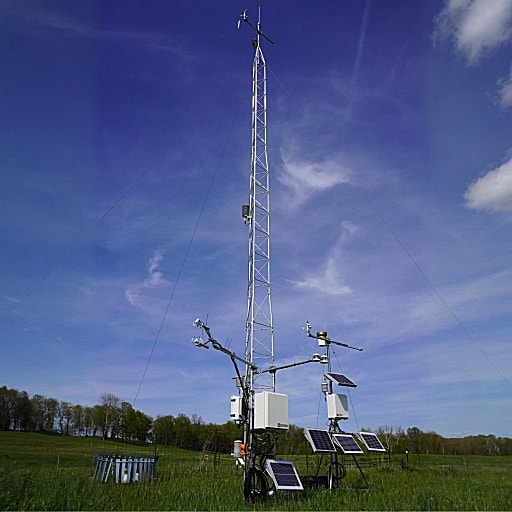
[
  {"x": 36, "y": 19},
  {"x": 305, "y": 178},
  {"x": 155, "y": 276},
  {"x": 493, "y": 191},
  {"x": 360, "y": 44},
  {"x": 44, "y": 21},
  {"x": 481, "y": 298},
  {"x": 504, "y": 93},
  {"x": 328, "y": 279},
  {"x": 9, "y": 298},
  {"x": 140, "y": 294},
  {"x": 477, "y": 27}
]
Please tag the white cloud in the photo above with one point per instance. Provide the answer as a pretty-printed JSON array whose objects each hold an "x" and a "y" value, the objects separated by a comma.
[
  {"x": 505, "y": 91},
  {"x": 476, "y": 26},
  {"x": 493, "y": 191},
  {"x": 307, "y": 178},
  {"x": 40, "y": 21},
  {"x": 9, "y": 298},
  {"x": 329, "y": 280},
  {"x": 155, "y": 276},
  {"x": 137, "y": 294}
]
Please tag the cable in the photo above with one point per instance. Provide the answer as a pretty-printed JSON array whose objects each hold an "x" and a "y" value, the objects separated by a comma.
[
  {"x": 86, "y": 234},
  {"x": 299, "y": 107},
  {"x": 348, "y": 391},
  {"x": 194, "y": 231},
  {"x": 75, "y": 245},
  {"x": 318, "y": 410},
  {"x": 439, "y": 296},
  {"x": 409, "y": 255}
]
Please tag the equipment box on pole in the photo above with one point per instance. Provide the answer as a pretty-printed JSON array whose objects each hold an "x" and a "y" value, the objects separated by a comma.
[{"x": 270, "y": 411}]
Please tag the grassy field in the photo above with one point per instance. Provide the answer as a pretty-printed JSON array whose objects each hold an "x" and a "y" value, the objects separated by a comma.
[{"x": 46, "y": 472}]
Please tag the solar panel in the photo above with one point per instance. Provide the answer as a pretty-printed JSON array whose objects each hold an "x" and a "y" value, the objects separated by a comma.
[
  {"x": 340, "y": 379},
  {"x": 372, "y": 442},
  {"x": 284, "y": 475},
  {"x": 320, "y": 440},
  {"x": 347, "y": 443}
]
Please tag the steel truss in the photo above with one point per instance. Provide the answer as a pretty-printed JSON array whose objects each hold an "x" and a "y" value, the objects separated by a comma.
[{"x": 259, "y": 339}]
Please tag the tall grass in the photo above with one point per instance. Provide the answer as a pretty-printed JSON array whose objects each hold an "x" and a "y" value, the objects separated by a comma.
[{"x": 39, "y": 472}]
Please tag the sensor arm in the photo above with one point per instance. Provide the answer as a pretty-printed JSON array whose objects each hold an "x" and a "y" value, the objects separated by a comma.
[
  {"x": 326, "y": 339},
  {"x": 234, "y": 358},
  {"x": 217, "y": 346},
  {"x": 344, "y": 345},
  {"x": 274, "y": 369}
]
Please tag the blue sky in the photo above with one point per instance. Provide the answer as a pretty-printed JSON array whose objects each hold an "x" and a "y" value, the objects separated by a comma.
[{"x": 125, "y": 158}]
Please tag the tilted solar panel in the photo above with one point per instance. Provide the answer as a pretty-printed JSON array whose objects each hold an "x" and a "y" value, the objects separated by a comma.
[
  {"x": 347, "y": 443},
  {"x": 320, "y": 440},
  {"x": 284, "y": 475},
  {"x": 340, "y": 379},
  {"x": 372, "y": 442}
]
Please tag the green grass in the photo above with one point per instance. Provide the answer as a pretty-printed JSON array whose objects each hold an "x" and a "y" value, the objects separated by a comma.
[{"x": 45, "y": 472}]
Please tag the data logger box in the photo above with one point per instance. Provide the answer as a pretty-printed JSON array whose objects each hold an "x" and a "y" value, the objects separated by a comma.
[
  {"x": 270, "y": 411},
  {"x": 236, "y": 408},
  {"x": 337, "y": 407}
]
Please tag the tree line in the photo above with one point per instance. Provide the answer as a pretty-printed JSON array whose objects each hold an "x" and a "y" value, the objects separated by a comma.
[
  {"x": 110, "y": 418},
  {"x": 114, "y": 419},
  {"x": 414, "y": 440}
]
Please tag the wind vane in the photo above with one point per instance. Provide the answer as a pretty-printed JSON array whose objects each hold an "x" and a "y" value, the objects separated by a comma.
[{"x": 257, "y": 28}]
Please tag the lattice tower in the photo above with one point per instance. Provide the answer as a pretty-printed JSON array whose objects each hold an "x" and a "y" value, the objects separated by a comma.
[{"x": 259, "y": 340}]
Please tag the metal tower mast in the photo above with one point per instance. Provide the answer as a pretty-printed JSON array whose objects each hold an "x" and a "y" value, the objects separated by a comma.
[{"x": 259, "y": 339}]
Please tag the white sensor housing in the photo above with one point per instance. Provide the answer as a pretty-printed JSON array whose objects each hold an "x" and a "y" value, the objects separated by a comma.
[
  {"x": 337, "y": 407},
  {"x": 270, "y": 411}
]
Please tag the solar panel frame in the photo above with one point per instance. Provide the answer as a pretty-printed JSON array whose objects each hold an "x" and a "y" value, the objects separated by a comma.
[
  {"x": 371, "y": 441},
  {"x": 320, "y": 440},
  {"x": 284, "y": 475},
  {"x": 347, "y": 444},
  {"x": 340, "y": 379}
]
